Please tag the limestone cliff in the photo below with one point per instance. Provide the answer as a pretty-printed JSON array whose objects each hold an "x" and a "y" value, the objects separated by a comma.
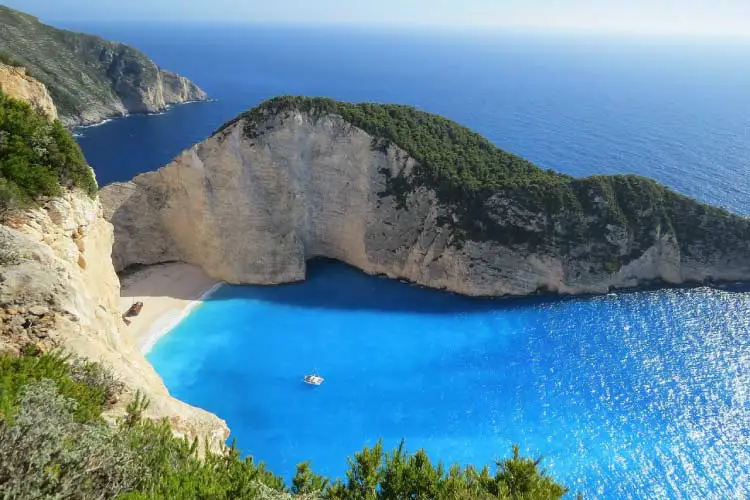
[
  {"x": 90, "y": 78},
  {"x": 17, "y": 84},
  {"x": 285, "y": 183},
  {"x": 58, "y": 289}
]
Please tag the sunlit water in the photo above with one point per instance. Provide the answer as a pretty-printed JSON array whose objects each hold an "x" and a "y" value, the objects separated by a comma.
[
  {"x": 636, "y": 396},
  {"x": 641, "y": 395}
]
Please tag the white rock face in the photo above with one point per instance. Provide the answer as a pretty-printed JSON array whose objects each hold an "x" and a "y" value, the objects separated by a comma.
[
  {"x": 17, "y": 84},
  {"x": 254, "y": 210},
  {"x": 57, "y": 262},
  {"x": 176, "y": 89}
]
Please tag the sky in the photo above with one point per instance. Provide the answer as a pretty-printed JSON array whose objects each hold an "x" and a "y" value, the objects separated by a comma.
[{"x": 713, "y": 18}]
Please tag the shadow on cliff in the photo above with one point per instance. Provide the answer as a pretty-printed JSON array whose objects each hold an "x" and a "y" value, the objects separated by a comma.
[
  {"x": 330, "y": 284},
  {"x": 333, "y": 285}
]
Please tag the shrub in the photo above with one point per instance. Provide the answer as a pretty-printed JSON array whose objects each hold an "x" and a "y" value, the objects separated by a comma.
[
  {"x": 16, "y": 372},
  {"x": 37, "y": 157},
  {"x": 374, "y": 475},
  {"x": 46, "y": 453},
  {"x": 305, "y": 481},
  {"x": 8, "y": 59},
  {"x": 96, "y": 375}
]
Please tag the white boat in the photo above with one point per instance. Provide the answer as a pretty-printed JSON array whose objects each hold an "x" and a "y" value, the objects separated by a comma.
[{"x": 313, "y": 379}]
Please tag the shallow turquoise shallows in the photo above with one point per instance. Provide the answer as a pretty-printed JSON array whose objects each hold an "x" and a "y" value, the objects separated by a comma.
[{"x": 642, "y": 395}]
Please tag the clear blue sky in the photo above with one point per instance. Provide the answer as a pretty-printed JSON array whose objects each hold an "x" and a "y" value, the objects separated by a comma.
[{"x": 669, "y": 17}]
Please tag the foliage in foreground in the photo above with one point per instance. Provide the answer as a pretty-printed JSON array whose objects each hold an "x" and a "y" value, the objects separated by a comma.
[
  {"x": 37, "y": 157},
  {"x": 47, "y": 453},
  {"x": 55, "y": 444}
]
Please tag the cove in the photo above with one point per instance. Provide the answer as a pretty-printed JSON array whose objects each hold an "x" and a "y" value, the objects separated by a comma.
[{"x": 638, "y": 395}]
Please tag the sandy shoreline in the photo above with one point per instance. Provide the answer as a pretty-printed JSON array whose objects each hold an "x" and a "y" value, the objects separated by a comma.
[{"x": 168, "y": 292}]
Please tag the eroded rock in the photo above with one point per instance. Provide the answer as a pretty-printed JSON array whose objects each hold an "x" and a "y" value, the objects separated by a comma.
[
  {"x": 49, "y": 300},
  {"x": 253, "y": 208}
]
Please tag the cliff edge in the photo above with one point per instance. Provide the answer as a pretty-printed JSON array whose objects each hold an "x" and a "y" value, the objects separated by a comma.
[
  {"x": 17, "y": 84},
  {"x": 395, "y": 191},
  {"x": 59, "y": 291},
  {"x": 90, "y": 79},
  {"x": 58, "y": 288}
]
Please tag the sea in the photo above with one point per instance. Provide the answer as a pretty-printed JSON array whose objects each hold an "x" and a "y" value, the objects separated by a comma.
[{"x": 641, "y": 395}]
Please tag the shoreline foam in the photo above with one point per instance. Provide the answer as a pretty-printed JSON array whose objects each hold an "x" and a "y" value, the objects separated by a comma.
[
  {"x": 169, "y": 293},
  {"x": 167, "y": 323}
]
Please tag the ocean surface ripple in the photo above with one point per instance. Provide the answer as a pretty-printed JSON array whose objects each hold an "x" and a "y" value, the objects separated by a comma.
[{"x": 639, "y": 395}]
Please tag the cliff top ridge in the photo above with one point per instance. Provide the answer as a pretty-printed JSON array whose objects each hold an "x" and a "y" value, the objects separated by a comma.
[{"x": 470, "y": 174}]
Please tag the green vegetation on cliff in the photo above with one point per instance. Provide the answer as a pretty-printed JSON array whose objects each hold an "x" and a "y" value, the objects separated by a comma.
[
  {"x": 54, "y": 443},
  {"x": 451, "y": 157},
  {"x": 490, "y": 194},
  {"x": 37, "y": 156},
  {"x": 8, "y": 59}
]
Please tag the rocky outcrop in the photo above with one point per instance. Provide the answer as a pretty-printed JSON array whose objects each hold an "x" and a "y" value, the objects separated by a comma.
[
  {"x": 177, "y": 89},
  {"x": 262, "y": 196},
  {"x": 17, "y": 84},
  {"x": 91, "y": 79},
  {"x": 58, "y": 289}
]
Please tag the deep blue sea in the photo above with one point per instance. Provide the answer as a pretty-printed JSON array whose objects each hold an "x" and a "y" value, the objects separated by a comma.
[{"x": 643, "y": 395}]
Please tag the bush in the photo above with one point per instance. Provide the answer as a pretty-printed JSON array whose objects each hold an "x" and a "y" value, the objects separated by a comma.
[
  {"x": 8, "y": 59},
  {"x": 173, "y": 469},
  {"x": 306, "y": 481},
  {"x": 96, "y": 375},
  {"x": 374, "y": 475},
  {"x": 91, "y": 393},
  {"x": 37, "y": 157},
  {"x": 46, "y": 453}
]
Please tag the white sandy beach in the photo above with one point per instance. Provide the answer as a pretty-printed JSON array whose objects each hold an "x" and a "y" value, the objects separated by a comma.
[{"x": 168, "y": 293}]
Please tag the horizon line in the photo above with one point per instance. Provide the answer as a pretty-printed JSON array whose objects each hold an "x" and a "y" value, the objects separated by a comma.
[{"x": 464, "y": 28}]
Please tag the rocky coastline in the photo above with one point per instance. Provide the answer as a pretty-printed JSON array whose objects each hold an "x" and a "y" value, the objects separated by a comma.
[
  {"x": 253, "y": 208},
  {"x": 89, "y": 78}
]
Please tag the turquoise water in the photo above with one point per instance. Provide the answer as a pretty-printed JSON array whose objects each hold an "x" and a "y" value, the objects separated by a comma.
[
  {"x": 637, "y": 396},
  {"x": 641, "y": 395}
]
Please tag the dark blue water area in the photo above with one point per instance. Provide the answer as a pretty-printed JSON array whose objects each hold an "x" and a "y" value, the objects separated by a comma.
[
  {"x": 677, "y": 111},
  {"x": 638, "y": 395}
]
